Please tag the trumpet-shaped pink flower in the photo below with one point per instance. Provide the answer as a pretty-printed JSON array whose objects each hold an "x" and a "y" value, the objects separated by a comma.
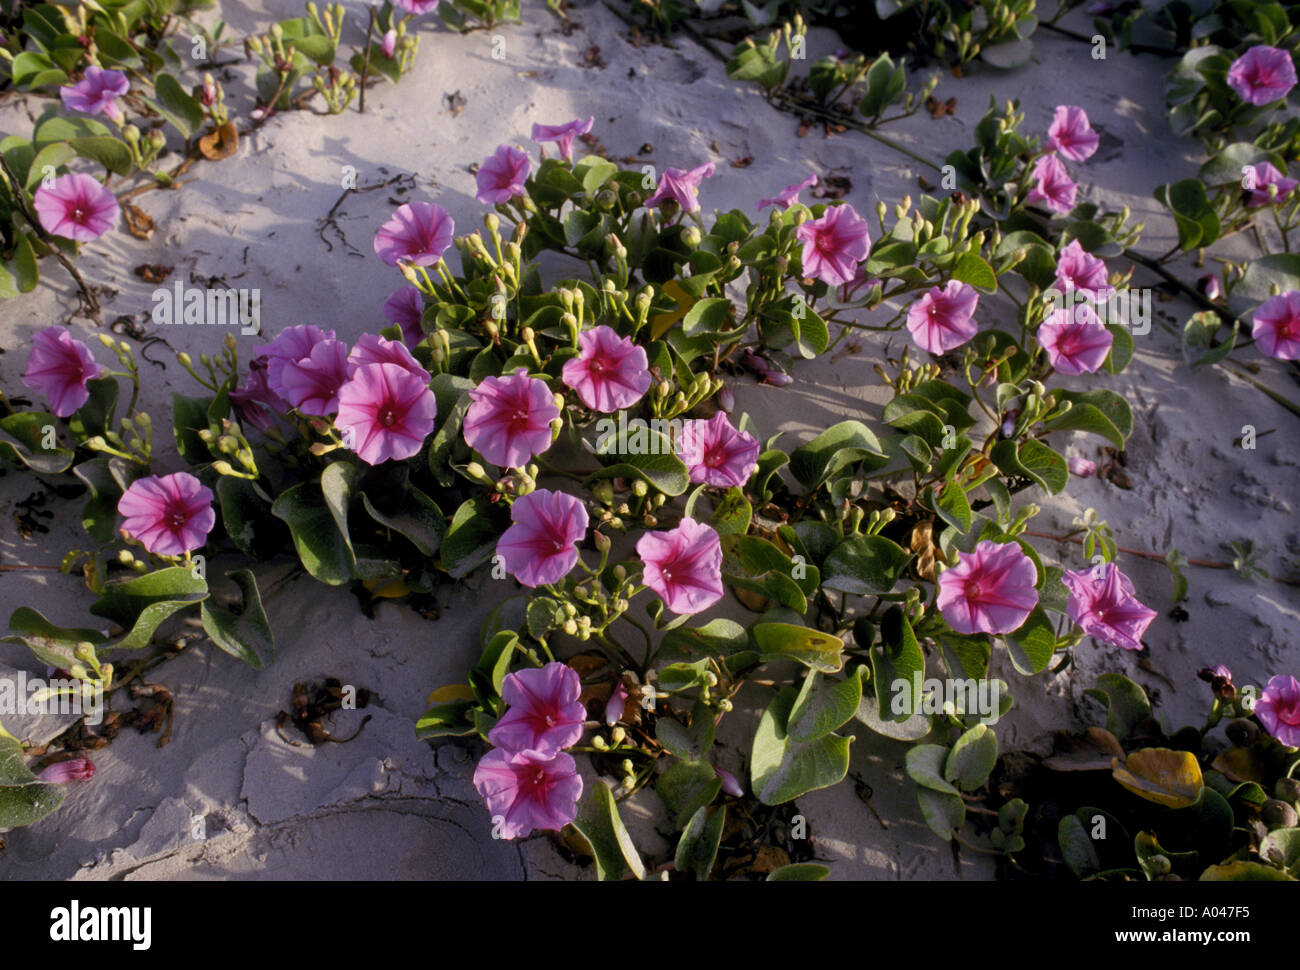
[
  {"x": 254, "y": 401},
  {"x": 510, "y": 418},
  {"x": 385, "y": 412},
  {"x": 312, "y": 384},
  {"x": 59, "y": 367},
  {"x": 682, "y": 186},
  {"x": 1276, "y": 328},
  {"x": 990, "y": 590},
  {"x": 389, "y": 44},
  {"x": 418, "y": 232},
  {"x": 718, "y": 454},
  {"x": 944, "y": 319},
  {"x": 1278, "y": 709},
  {"x": 1071, "y": 135},
  {"x": 371, "y": 349},
  {"x": 1075, "y": 340},
  {"x": 528, "y": 790},
  {"x": 74, "y": 769},
  {"x": 609, "y": 373},
  {"x": 684, "y": 566},
  {"x": 168, "y": 515},
  {"x": 76, "y": 207},
  {"x": 1102, "y": 604},
  {"x": 541, "y": 546},
  {"x": 1053, "y": 186},
  {"x": 563, "y": 135},
  {"x": 405, "y": 307},
  {"x": 502, "y": 177},
  {"x": 1262, "y": 75},
  {"x": 834, "y": 245},
  {"x": 789, "y": 195},
  {"x": 543, "y": 710},
  {"x": 1080, "y": 271},
  {"x": 417, "y": 6},
  {"x": 97, "y": 93},
  {"x": 1261, "y": 176}
]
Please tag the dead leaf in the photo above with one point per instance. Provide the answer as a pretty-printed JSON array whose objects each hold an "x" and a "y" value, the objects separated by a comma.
[
  {"x": 922, "y": 543},
  {"x": 138, "y": 222},
  {"x": 1240, "y": 765},
  {"x": 744, "y": 162},
  {"x": 153, "y": 272},
  {"x": 455, "y": 103},
  {"x": 1161, "y": 775},
  {"x": 219, "y": 144},
  {"x": 591, "y": 57}
]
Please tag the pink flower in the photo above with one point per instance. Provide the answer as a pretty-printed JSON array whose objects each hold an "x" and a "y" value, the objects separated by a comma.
[
  {"x": 1081, "y": 467},
  {"x": 1071, "y": 135},
  {"x": 502, "y": 177},
  {"x": 684, "y": 566},
  {"x": 168, "y": 515},
  {"x": 789, "y": 195},
  {"x": 616, "y": 706},
  {"x": 290, "y": 345},
  {"x": 389, "y": 44},
  {"x": 1053, "y": 186},
  {"x": 510, "y": 418},
  {"x": 1264, "y": 174},
  {"x": 1103, "y": 606},
  {"x": 610, "y": 373},
  {"x": 76, "y": 207},
  {"x": 544, "y": 713},
  {"x": 563, "y": 135},
  {"x": 1277, "y": 326},
  {"x": 540, "y": 547},
  {"x": 1076, "y": 342},
  {"x": 528, "y": 790},
  {"x": 1080, "y": 271},
  {"x": 1262, "y": 75},
  {"x": 418, "y": 232},
  {"x": 254, "y": 401},
  {"x": 682, "y": 186},
  {"x": 74, "y": 769},
  {"x": 97, "y": 93},
  {"x": 990, "y": 590},
  {"x": 942, "y": 320},
  {"x": 385, "y": 412},
  {"x": 405, "y": 307},
  {"x": 417, "y": 6},
  {"x": 59, "y": 367},
  {"x": 370, "y": 349},
  {"x": 312, "y": 384},
  {"x": 730, "y": 783},
  {"x": 1278, "y": 709},
  {"x": 718, "y": 454},
  {"x": 834, "y": 245}
]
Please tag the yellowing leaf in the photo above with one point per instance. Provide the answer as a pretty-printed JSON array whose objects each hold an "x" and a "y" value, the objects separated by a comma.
[
  {"x": 1161, "y": 775},
  {"x": 664, "y": 322},
  {"x": 452, "y": 692},
  {"x": 386, "y": 588}
]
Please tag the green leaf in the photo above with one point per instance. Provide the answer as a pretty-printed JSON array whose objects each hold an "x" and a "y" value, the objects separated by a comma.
[
  {"x": 112, "y": 153},
  {"x": 31, "y": 70},
  {"x": 1032, "y": 645},
  {"x": 96, "y": 416},
  {"x": 698, "y": 847},
  {"x": 943, "y": 813},
  {"x": 446, "y": 720},
  {"x": 954, "y": 507},
  {"x": 732, "y": 513},
  {"x": 864, "y": 565},
  {"x": 324, "y": 552},
  {"x": 24, "y": 798},
  {"x": 835, "y": 448},
  {"x": 189, "y": 417},
  {"x": 690, "y": 743},
  {"x": 1077, "y": 848},
  {"x": 645, "y": 453},
  {"x": 1281, "y": 270},
  {"x": 599, "y": 822},
  {"x": 416, "y": 516},
  {"x": 1125, "y": 702},
  {"x": 52, "y": 645},
  {"x": 143, "y": 603},
  {"x": 971, "y": 760},
  {"x": 472, "y": 538},
  {"x": 26, "y": 272},
  {"x": 822, "y": 706},
  {"x": 971, "y": 268},
  {"x": 754, "y": 563},
  {"x": 686, "y": 787},
  {"x": 782, "y": 769},
  {"x": 719, "y": 637},
  {"x": 22, "y": 436},
  {"x": 51, "y": 157},
  {"x": 1032, "y": 460},
  {"x": 244, "y": 631},
  {"x": 812, "y": 648},
  {"x": 799, "y": 872},
  {"x": 924, "y": 764},
  {"x": 898, "y": 661}
]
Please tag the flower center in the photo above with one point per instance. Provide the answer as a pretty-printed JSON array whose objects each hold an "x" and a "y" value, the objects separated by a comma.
[
  {"x": 387, "y": 416},
  {"x": 78, "y": 214},
  {"x": 177, "y": 518}
]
